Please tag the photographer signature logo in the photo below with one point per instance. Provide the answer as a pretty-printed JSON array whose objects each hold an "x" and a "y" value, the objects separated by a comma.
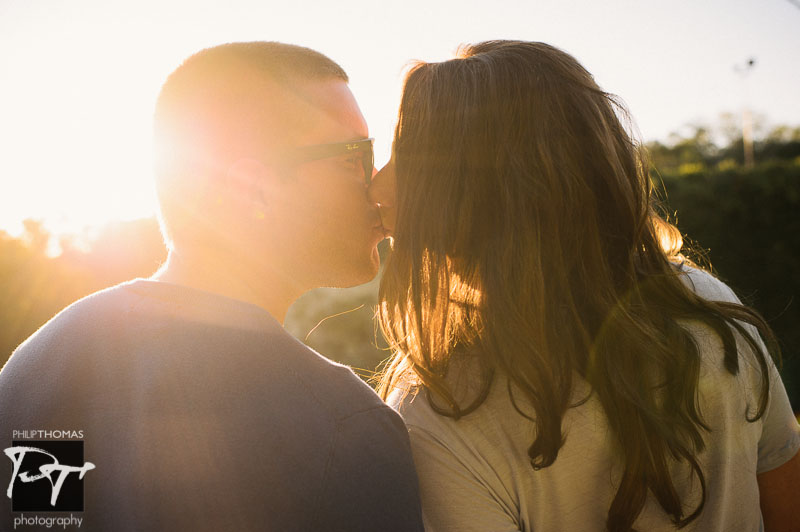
[{"x": 36, "y": 461}]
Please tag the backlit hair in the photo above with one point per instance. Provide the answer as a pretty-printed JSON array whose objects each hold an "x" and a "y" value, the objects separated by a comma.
[{"x": 527, "y": 233}]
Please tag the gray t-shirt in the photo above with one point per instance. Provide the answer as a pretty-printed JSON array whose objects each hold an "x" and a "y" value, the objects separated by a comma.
[
  {"x": 475, "y": 474},
  {"x": 200, "y": 412}
]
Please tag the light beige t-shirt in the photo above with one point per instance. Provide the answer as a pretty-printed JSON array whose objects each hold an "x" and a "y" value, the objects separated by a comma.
[{"x": 475, "y": 474}]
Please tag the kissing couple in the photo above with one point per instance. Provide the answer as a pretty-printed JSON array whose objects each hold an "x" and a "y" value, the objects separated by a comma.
[{"x": 557, "y": 364}]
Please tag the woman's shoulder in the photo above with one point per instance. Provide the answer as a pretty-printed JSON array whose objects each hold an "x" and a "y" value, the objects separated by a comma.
[
  {"x": 429, "y": 431},
  {"x": 705, "y": 284},
  {"x": 409, "y": 401},
  {"x": 483, "y": 406},
  {"x": 466, "y": 381}
]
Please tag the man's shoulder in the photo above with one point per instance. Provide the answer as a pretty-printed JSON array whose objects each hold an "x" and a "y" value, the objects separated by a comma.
[
  {"x": 335, "y": 385},
  {"x": 161, "y": 337},
  {"x": 92, "y": 312},
  {"x": 97, "y": 304},
  {"x": 242, "y": 390}
]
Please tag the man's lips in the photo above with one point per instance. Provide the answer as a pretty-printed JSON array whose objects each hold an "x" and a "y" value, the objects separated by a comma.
[
  {"x": 387, "y": 214},
  {"x": 380, "y": 228}
]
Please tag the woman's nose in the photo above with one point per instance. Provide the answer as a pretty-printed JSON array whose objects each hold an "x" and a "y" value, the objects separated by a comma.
[
  {"x": 380, "y": 188},
  {"x": 382, "y": 191}
]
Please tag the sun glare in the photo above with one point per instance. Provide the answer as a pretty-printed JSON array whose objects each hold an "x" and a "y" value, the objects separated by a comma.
[
  {"x": 79, "y": 152},
  {"x": 79, "y": 80}
]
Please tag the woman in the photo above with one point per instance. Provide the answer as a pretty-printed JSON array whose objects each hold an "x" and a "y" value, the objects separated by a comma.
[{"x": 559, "y": 365}]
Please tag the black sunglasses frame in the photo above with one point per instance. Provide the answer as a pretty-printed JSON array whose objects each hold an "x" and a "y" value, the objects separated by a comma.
[{"x": 317, "y": 152}]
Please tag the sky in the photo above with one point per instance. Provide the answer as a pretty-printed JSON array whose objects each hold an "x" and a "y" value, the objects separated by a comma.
[{"x": 79, "y": 78}]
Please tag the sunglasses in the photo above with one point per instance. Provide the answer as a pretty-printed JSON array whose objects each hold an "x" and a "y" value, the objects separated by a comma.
[{"x": 324, "y": 151}]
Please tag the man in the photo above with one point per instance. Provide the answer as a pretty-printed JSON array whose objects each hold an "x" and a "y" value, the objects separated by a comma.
[{"x": 197, "y": 410}]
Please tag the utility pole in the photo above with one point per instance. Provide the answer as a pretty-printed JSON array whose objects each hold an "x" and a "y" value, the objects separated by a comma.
[{"x": 747, "y": 119}]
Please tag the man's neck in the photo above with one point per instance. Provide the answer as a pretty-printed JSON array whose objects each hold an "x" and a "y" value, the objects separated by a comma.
[{"x": 230, "y": 278}]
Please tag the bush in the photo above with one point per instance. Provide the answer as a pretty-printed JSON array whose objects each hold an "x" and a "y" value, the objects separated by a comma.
[{"x": 747, "y": 222}]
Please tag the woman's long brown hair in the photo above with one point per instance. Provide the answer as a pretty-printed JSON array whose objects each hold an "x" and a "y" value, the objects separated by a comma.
[{"x": 527, "y": 233}]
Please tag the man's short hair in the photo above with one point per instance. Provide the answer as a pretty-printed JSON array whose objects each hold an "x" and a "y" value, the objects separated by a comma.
[{"x": 199, "y": 117}]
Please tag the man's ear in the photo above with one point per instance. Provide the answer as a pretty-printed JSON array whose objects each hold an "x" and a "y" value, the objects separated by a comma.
[{"x": 249, "y": 181}]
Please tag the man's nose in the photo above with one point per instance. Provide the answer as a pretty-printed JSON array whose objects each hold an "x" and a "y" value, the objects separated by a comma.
[
  {"x": 376, "y": 190},
  {"x": 372, "y": 176}
]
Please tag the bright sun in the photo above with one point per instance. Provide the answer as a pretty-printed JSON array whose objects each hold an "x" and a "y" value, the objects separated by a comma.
[{"x": 77, "y": 135}]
